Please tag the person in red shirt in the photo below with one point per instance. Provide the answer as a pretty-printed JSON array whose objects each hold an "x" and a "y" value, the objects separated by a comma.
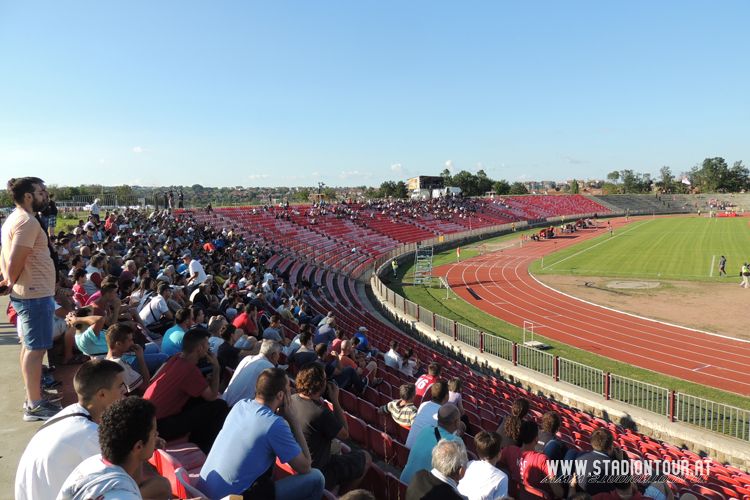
[
  {"x": 424, "y": 382},
  {"x": 533, "y": 464},
  {"x": 186, "y": 403},
  {"x": 246, "y": 321}
]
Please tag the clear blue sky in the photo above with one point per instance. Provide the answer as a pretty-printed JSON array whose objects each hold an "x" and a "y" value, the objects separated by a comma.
[{"x": 358, "y": 92}]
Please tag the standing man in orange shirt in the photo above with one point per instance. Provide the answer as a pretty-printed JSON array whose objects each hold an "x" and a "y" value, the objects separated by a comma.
[{"x": 28, "y": 274}]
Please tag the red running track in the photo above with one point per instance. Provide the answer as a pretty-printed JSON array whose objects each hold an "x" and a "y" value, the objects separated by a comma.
[{"x": 509, "y": 292}]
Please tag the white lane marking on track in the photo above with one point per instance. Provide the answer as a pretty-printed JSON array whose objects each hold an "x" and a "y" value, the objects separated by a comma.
[{"x": 701, "y": 368}]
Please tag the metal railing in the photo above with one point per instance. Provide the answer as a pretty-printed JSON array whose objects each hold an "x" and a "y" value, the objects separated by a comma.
[
  {"x": 468, "y": 335},
  {"x": 534, "y": 359},
  {"x": 641, "y": 394},
  {"x": 716, "y": 417},
  {"x": 498, "y": 346},
  {"x": 580, "y": 375}
]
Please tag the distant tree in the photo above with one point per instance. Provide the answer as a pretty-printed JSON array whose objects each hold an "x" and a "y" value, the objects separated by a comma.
[
  {"x": 518, "y": 188},
  {"x": 484, "y": 183},
  {"x": 738, "y": 178},
  {"x": 574, "y": 187},
  {"x": 666, "y": 182},
  {"x": 501, "y": 187},
  {"x": 613, "y": 176},
  {"x": 401, "y": 190},
  {"x": 387, "y": 189},
  {"x": 446, "y": 175},
  {"x": 467, "y": 182},
  {"x": 302, "y": 195},
  {"x": 330, "y": 194}
]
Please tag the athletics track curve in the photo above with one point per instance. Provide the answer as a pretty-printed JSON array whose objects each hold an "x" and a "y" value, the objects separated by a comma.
[{"x": 510, "y": 293}]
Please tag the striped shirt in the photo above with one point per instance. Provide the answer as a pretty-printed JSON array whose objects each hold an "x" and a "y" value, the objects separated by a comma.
[{"x": 402, "y": 414}]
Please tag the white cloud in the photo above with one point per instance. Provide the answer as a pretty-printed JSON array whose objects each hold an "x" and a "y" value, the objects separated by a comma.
[
  {"x": 138, "y": 149},
  {"x": 255, "y": 177},
  {"x": 522, "y": 178},
  {"x": 449, "y": 165},
  {"x": 102, "y": 161},
  {"x": 397, "y": 168}
]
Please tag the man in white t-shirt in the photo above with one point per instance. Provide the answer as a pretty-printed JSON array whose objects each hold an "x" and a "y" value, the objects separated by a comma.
[
  {"x": 70, "y": 436},
  {"x": 427, "y": 412},
  {"x": 157, "y": 307},
  {"x": 483, "y": 480},
  {"x": 392, "y": 357},
  {"x": 127, "y": 438},
  {"x": 195, "y": 269}
]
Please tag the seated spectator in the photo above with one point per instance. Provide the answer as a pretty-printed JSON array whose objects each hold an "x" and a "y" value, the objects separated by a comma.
[
  {"x": 244, "y": 379},
  {"x": 90, "y": 338},
  {"x": 228, "y": 354},
  {"x": 273, "y": 332},
  {"x": 246, "y": 320},
  {"x": 325, "y": 333},
  {"x": 243, "y": 457},
  {"x": 448, "y": 423},
  {"x": 127, "y": 437},
  {"x": 548, "y": 442},
  {"x": 409, "y": 364},
  {"x": 483, "y": 480},
  {"x": 106, "y": 302},
  {"x": 215, "y": 324},
  {"x": 120, "y": 342},
  {"x": 336, "y": 343},
  {"x": 448, "y": 461},
  {"x": 402, "y": 410},
  {"x": 171, "y": 342},
  {"x": 392, "y": 357},
  {"x": 284, "y": 312},
  {"x": 321, "y": 426},
  {"x": 590, "y": 467},
  {"x": 156, "y": 315},
  {"x": 427, "y": 412},
  {"x": 533, "y": 464},
  {"x": 306, "y": 352},
  {"x": 519, "y": 408},
  {"x": 185, "y": 402},
  {"x": 80, "y": 297},
  {"x": 424, "y": 382},
  {"x": 510, "y": 454},
  {"x": 364, "y": 344},
  {"x": 69, "y": 437}
]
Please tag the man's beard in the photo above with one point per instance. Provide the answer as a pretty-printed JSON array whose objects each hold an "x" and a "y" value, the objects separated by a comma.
[{"x": 39, "y": 206}]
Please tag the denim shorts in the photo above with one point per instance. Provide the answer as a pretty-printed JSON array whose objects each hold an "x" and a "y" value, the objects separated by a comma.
[{"x": 35, "y": 321}]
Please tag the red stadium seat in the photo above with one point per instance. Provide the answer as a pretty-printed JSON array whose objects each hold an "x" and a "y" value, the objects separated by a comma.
[
  {"x": 376, "y": 482},
  {"x": 369, "y": 413},
  {"x": 402, "y": 454},
  {"x": 357, "y": 430},
  {"x": 348, "y": 401},
  {"x": 381, "y": 444},
  {"x": 167, "y": 466}
]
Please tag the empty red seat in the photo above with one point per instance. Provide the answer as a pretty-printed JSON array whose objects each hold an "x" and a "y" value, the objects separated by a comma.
[
  {"x": 357, "y": 430},
  {"x": 369, "y": 413}
]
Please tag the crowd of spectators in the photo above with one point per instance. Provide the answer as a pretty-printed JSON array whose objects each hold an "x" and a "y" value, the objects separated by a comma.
[{"x": 181, "y": 330}]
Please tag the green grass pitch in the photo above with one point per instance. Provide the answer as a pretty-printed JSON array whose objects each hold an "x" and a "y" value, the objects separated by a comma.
[{"x": 685, "y": 248}]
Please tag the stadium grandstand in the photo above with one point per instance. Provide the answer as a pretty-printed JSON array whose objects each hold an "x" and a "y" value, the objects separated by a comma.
[{"x": 268, "y": 286}]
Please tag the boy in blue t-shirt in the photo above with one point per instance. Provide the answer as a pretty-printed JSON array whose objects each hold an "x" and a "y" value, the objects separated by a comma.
[{"x": 90, "y": 339}]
